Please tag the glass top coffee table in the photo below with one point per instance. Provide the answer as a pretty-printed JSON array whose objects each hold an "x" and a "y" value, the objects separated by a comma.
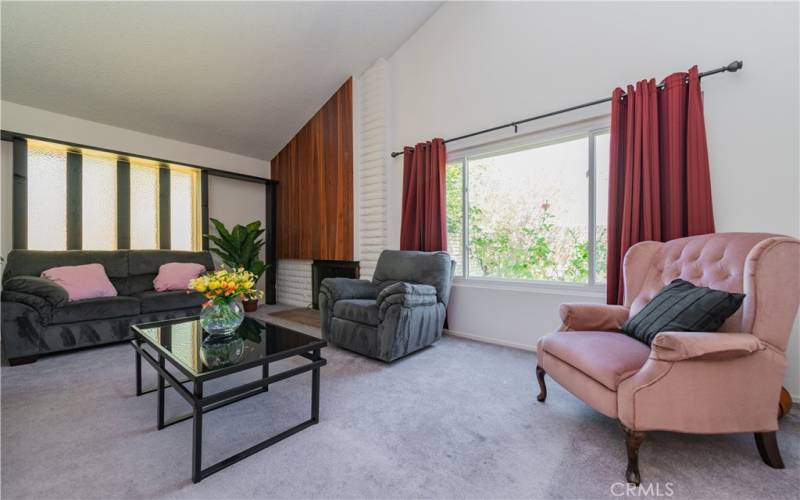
[{"x": 183, "y": 344}]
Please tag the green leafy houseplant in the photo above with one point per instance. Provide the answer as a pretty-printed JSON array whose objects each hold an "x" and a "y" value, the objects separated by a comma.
[{"x": 239, "y": 247}]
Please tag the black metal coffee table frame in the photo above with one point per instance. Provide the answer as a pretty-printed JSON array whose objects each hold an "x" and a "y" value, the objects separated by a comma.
[{"x": 203, "y": 404}]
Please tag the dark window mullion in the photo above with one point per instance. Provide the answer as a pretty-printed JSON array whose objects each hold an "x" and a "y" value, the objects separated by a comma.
[
  {"x": 20, "y": 195},
  {"x": 204, "y": 208},
  {"x": 123, "y": 204},
  {"x": 74, "y": 200},
  {"x": 164, "y": 211}
]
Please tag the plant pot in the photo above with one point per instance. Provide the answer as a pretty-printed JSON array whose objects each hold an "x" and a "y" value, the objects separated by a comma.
[
  {"x": 221, "y": 318},
  {"x": 250, "y": 305}
]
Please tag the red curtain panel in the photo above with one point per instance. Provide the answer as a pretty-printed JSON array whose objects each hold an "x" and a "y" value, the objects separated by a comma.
[
  {"x": 659, "y": 182},
  {"x": 424, "y": 223}
]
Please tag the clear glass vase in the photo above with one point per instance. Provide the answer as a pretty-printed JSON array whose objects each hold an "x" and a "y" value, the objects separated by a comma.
[
  {"x": 222, "y": 318},
  {"x": 218, "y": 351}
]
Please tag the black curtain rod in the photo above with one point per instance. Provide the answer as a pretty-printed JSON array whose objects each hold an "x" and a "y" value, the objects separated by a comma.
[{"x": 732, "y": 67}]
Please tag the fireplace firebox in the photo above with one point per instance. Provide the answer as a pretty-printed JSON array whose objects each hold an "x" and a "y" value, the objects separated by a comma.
[{"x": 321, "y": 269}]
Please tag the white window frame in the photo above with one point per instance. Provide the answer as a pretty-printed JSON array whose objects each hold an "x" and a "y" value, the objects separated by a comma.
[{"x": 586, "y": 128}]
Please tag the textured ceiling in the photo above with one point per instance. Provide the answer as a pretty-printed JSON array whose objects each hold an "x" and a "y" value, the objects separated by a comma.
[{"x": 240, "y": 77}]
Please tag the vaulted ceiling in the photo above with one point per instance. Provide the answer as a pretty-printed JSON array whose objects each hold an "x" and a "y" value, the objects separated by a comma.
[{"x": 237, "y": 76}]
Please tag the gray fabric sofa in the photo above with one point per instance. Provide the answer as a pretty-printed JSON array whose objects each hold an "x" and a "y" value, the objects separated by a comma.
[
  {"x": 400, "y": 311},
  {"x": 38, "y": 319}
]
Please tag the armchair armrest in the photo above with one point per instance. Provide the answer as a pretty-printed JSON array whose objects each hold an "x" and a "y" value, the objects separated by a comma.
[
  {"x": 45, "y": 289},
  {"x": 405, "y": 295},
  {"x": 681, "y": 346},
  {"x": 347, "y": 288},
  {"x": 592, "y": 317}
]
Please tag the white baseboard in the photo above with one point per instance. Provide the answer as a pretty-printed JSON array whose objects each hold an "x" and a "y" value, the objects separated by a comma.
[
  {"x": 506, "y": 343},
  {"x": 490, "y": 340}
]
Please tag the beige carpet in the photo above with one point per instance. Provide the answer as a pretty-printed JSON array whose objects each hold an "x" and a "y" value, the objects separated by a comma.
[
  {"x": 301, "y": 315},
  {"x": 457, "y": 420}
]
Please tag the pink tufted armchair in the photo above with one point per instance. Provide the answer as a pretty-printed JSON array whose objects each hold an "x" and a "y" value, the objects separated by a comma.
[{"x": 705, "y": 383}]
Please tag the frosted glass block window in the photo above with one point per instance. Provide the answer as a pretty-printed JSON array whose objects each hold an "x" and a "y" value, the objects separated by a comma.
[
  {"x": 144, "y": 205},
  {"x": 47, "y": 196},
  {"x": 99, "y": 202},
  {"x": 183, "y": 209}
]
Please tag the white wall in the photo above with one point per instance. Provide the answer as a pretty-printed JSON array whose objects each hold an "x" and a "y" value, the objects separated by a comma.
[
  {"x": 232, "y": 202},
  {"x": 38, "y": 122},
  {"x": 474, "y": 65}
]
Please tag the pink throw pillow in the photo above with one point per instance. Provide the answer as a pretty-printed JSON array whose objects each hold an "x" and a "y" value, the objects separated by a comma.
[
  {"x": 177, "y": 275},
  {"x": 88, "y": 281}
]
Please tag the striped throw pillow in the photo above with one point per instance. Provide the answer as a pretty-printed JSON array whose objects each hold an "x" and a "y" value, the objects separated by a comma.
[{"x": 683, "y": 307}]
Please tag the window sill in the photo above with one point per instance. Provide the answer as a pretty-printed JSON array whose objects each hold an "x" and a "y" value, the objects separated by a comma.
[{"x": 593, "y": 291}]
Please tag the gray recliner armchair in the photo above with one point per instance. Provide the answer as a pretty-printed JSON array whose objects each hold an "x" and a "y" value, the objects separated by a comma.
[{"x": 401, "y": 311}]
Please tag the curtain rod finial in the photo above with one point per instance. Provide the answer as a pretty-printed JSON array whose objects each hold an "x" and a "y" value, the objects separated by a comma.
[{"x": 734, "y": 66}]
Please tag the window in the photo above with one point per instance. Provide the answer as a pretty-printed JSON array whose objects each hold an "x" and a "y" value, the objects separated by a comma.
[
  {"x": 99, "y": 201},
  {"x": 184, "y": 204},
  {"x": 47, "y": 196},
  {"x": 144, "y": 205},
  {"x": 57, "y": 173},
  {"x": 455, "y": 213},
  {"x": 536, "y": 212}
]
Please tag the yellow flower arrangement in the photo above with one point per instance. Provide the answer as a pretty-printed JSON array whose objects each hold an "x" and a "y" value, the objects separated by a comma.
[{"x": 224, "y": 286}]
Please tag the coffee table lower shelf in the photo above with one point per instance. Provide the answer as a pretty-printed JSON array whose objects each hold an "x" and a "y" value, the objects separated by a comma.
[{"x": 203, "y": 404}]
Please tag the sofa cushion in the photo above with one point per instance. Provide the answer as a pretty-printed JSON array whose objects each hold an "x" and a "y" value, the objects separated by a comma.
[
  {"x": 177, "y": 275},
  {"x": 94, "y": 309},
  {"x": 33, "y": 262},
  {"x": 144, "y": 265},
  {"x": 607, "y": 357},
  {"x": 53, "y": 293},
  {"x": 153, "y": 301},
  {"x": 87, "y": 281},
  {"x": 683, "y": 307},
  {"x": 359, "y": 310},
  {"x": 427, "y": 268}
]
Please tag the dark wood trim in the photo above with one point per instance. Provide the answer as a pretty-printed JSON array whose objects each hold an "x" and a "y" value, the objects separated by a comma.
[
  {"x": 540, "y": 373},
  {"x": 767, "y": 444},
  {"x": 234, "y": 175},
  {"x": 74, "y": 200},
  {"x": 123, "y": 204},
  {"x": 204, "y": 213},
  {"x": 271, "y": 233},
  {"x": 9, "y": 135},
  {"x": 633, "y": 440},
  {"x": 20, "y": 195},
  {"x": 784, "y": 403},
  {"x": 164, "y": 211}
]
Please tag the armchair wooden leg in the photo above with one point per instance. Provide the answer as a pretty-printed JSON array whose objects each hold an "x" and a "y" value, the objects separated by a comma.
[
  {"x": 633, "y": 440},
  {"x": 542, "y": 388},
  {"x": 767, "y": 445}
]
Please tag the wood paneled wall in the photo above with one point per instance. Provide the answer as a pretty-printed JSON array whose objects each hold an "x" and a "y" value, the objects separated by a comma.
[{"x": 315, "y": 190}]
